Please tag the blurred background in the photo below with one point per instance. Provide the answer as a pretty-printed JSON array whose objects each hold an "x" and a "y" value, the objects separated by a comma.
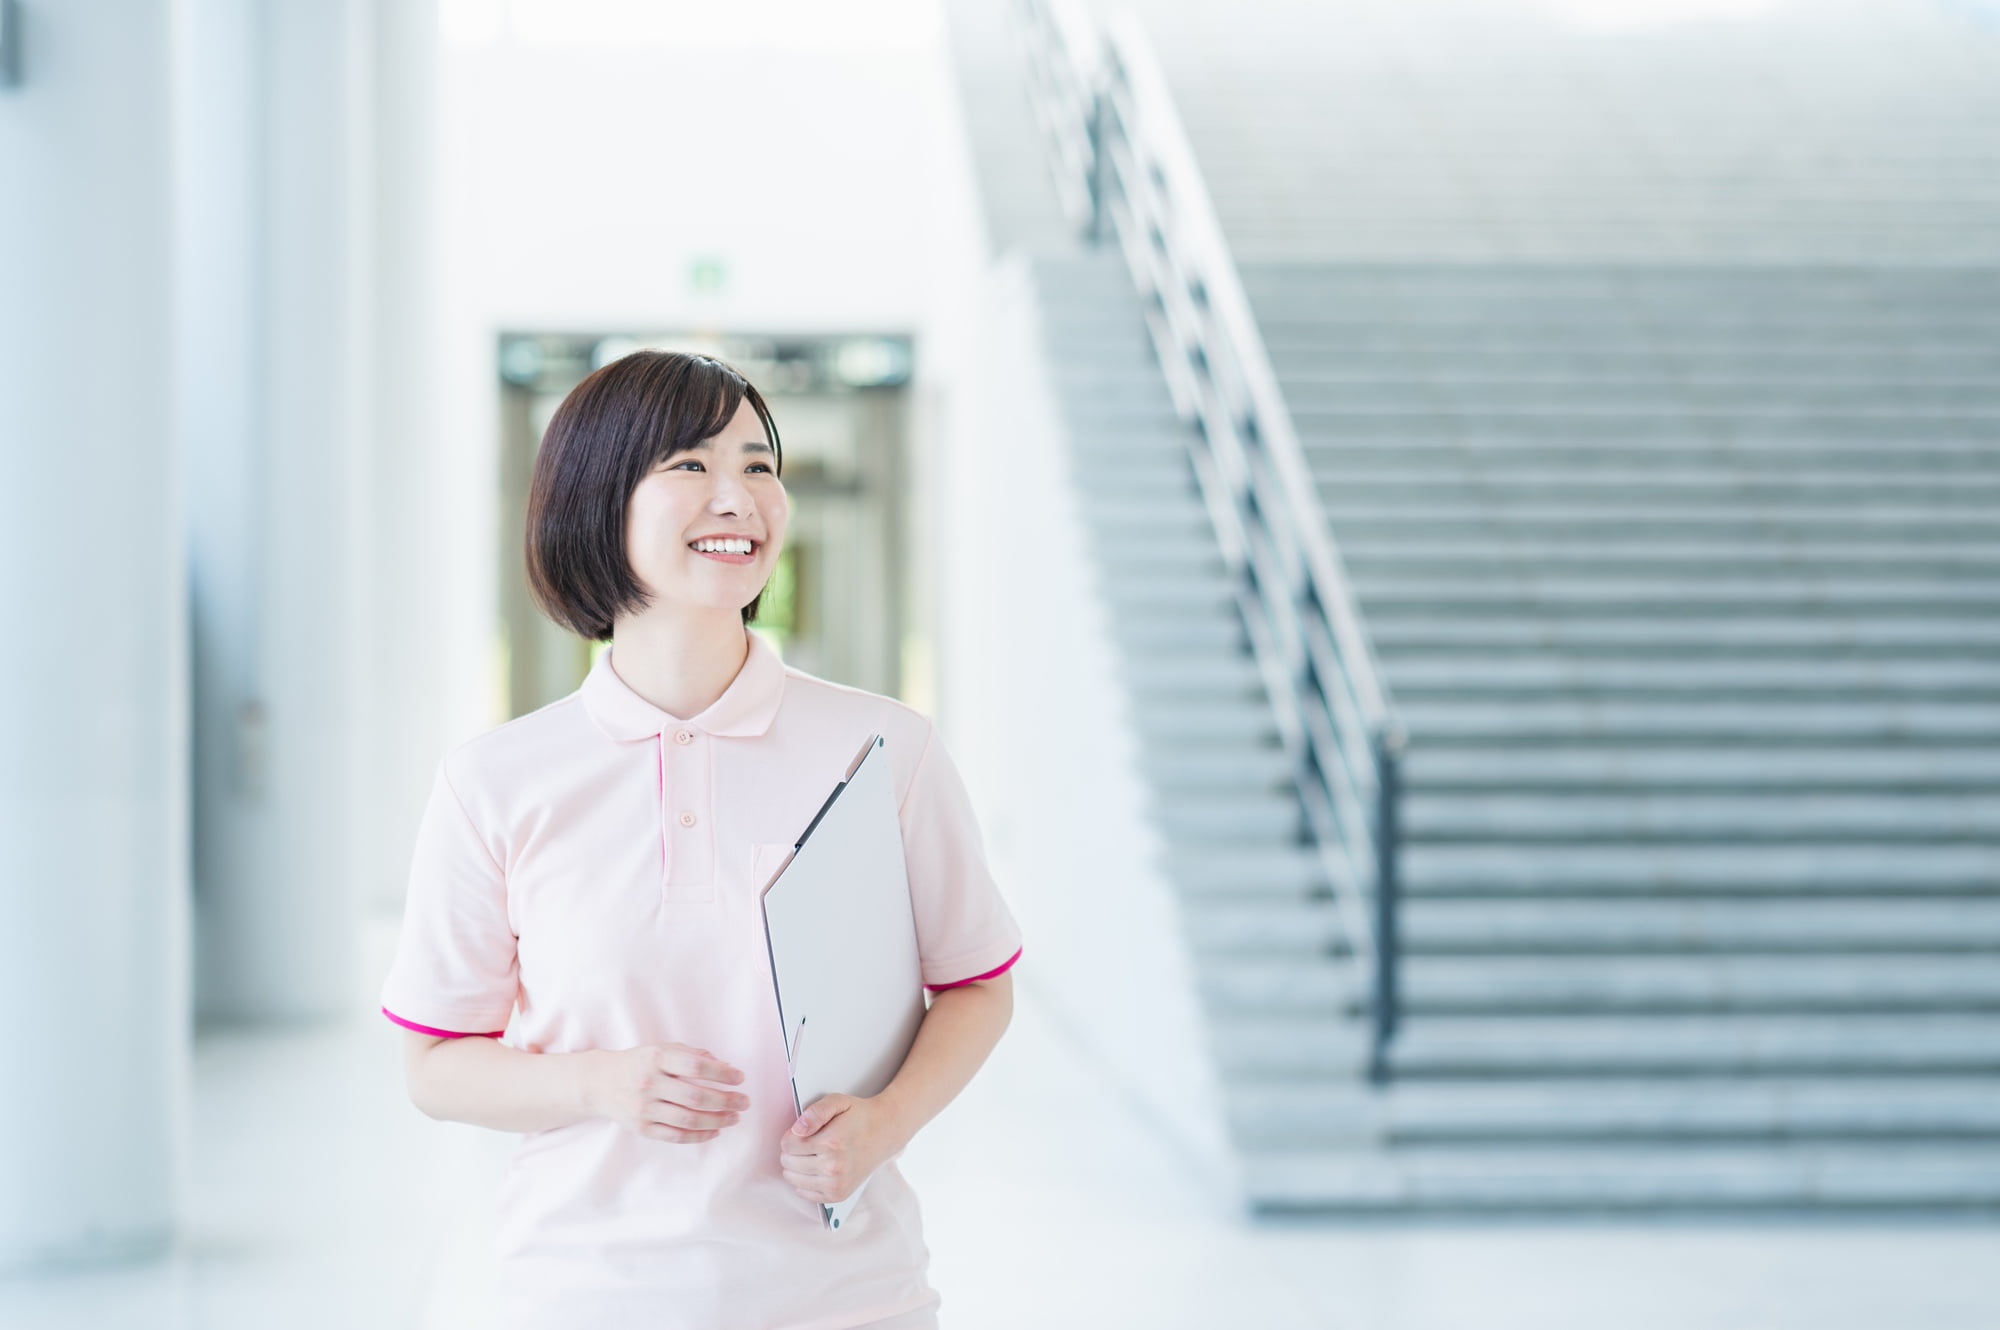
[{"x": 1455, "y": 542}]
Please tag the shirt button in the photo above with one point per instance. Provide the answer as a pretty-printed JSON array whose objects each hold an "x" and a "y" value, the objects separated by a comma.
[
  {"x": 683, "y": 736},
  {"x": 687, "y": 819}
]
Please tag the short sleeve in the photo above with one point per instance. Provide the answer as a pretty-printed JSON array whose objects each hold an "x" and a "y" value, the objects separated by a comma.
[
  {"x": 964, "y": 928},
  {"x": 456, "y": 971}
]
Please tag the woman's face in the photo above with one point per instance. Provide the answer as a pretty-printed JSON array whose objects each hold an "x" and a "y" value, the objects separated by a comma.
[{"x": 726, "y": 485}]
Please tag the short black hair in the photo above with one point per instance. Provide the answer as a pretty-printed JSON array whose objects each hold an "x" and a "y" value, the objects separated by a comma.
[{"x": 610, "y": 431}]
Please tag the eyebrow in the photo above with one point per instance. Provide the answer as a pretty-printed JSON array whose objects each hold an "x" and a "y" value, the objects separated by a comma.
[{"x": 749, "y": 446}]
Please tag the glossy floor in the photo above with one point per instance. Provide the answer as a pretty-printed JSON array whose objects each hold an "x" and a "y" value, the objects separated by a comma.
[{"x": 321, "y": 1199}]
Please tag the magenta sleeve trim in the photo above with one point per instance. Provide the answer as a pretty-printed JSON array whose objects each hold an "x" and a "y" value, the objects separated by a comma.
[
  {"x": 1001, "y": 968},
  {"x": 448, "y": 1034}
]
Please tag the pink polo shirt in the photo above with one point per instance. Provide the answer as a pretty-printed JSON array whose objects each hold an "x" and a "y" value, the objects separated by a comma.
[{"x": 586, "y": 876}]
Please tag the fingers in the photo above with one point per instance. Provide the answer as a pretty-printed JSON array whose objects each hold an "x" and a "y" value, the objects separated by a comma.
[
  {"x": 822, "y": 1187},
  {"x": 673, "y": 1115},
  {"x": 677, "y": 1107},
  {"x": 681, "y": 1068},
  {"x": 699, "y": 1064},
  {"x": 675, "y": 1135},
  {"x": 687, "y": 1094}
]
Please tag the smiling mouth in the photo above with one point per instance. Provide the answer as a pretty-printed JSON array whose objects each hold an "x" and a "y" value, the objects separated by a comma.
[{"x": 728, "y": 556}]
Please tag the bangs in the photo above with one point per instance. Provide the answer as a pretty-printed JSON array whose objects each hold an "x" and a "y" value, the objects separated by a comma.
[{"x": 694, "y": 400}]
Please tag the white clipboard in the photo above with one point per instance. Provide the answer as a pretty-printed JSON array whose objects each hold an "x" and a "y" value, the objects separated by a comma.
[{"x": 843, "y": 943}]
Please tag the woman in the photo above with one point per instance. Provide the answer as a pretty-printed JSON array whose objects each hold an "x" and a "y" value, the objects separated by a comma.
[{"x": 591, "y": 870}]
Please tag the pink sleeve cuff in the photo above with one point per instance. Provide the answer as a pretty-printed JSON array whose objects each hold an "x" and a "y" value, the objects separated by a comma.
[
  {"x": 1001, "y": 968},
  {"x": 447, "y": 1034}
]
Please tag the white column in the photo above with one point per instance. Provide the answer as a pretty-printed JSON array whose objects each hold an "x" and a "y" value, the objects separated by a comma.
[
  {"x": 93, "y": 795},
  {"x": 403, "y": 674},
  {"x": 275, "y": 276}
]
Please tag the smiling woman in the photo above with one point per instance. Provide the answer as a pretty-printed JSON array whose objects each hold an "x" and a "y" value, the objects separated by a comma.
[
  {"x": 583, "y": 956},
  {"x": 655, "y": 446}
]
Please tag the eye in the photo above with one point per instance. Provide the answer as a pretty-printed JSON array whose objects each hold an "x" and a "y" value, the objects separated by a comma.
[
  {"x": 677, "y": 466},
  {"x": 759, "y": 466}
]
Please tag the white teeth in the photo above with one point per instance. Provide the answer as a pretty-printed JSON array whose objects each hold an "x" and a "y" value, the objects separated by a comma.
[{"x": 732, "y": 545}]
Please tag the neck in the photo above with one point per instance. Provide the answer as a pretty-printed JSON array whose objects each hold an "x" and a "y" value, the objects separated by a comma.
[{"x": 680, "y": 660}]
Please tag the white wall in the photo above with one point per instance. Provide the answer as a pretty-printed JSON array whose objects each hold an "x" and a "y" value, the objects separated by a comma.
[
  {"x": 592, "y": 152},
  {"x": 1052, "y": 757}
]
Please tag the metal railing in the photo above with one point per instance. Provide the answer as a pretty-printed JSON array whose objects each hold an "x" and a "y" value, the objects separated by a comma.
[{"x": 1125, "y": 171}]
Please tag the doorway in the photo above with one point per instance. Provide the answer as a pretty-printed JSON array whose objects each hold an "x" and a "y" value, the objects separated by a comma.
[{"x": 837, "y": 601}]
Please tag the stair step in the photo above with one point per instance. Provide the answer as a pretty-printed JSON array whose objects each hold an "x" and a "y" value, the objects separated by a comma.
[
  {"x": 1245, "y": 870},
  {"x": 1415, "y": 630},
  {"x": 1215, "y": 675},
  {"x": 1714, "y": 766},
  {"x": 1794, "y": 595},
  {"x": 1206, "y": 633},
  {"x": 1572, "y": 1048},
  {"x": 1533, "y": 516},
  {"x": 1134, "y": 456},
  {"x": 1471, "y": 378},
  {"x": 1238, "y": 764},
  {"x": 1811, "y": 868},
  {"x": 1153, "y": 514},
  {"x": 1622, "y": 291},
  {"x": 1366, "y": 528},
  {"x": 1297, "y": 322},
  {"x": 1306, "y": 927},
  {"x": 1551, "y": 984},
  {"x": 1776, "y": 982},
  {"x": 1293, "y": 926},
  {"x": 1292, "y": 1114},
  {"x": 1156, "y": 554},
  {"x": 1143, "y": 482},
  {"x": 1303, "y": 357},
  {"x": 1583, "y": 420},
  {"x": 1217, "y": 718},
  {"x": 1147, "y": 594},
  {"x": 1637, "y": 1178},
  {"x": 1441, "y": 455},
  {"x": 1256, "y": 816},
  {"x": 1848, "y": 926},
  {"x": 1532, "y": 719},
  {"x": 1322, "y": 433},
  {"x": 1384, "y": 553},
  {"x": 1925, "y": 818},
  {"x": 1414, "y": 677},
  {"x": 1683, "y": 479},
  {"x": 1086, "y": 416},
  {"x": 1695, "y": 402}
]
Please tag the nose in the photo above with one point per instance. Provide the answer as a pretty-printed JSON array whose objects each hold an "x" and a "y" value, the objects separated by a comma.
[{"x": 731, "y": 497}]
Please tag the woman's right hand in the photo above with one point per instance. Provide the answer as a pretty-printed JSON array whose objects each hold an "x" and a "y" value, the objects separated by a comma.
[{"x": 655, "y": 1091}]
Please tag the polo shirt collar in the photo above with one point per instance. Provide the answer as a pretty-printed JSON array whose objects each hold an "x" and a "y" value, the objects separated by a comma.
[{"x": 745, "y": 708}]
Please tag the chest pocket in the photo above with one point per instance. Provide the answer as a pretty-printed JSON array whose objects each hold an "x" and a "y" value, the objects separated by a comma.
[{"x": 765, "y": 859}]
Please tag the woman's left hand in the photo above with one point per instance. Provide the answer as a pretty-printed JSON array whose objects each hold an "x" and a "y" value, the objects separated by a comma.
[{"x": 836, "y": 1143}]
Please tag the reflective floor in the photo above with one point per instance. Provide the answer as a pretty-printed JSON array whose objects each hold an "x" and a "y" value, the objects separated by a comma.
[{"x": 322, "y": 1199}]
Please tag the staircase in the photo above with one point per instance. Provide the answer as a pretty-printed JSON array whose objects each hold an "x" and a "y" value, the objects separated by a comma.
[
  {"x": 1680, "y": 551},
  {"x": 1687, "y": 584},
  {"x": 1697, "y": 642}
]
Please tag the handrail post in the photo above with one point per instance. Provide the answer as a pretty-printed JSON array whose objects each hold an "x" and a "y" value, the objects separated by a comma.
[
  {"x": 1388, "y": 888},
  {"x": 1096, "y": 227}
]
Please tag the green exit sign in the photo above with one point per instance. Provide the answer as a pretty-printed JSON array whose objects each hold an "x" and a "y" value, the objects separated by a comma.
[{"x": 705, "y": 276}]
